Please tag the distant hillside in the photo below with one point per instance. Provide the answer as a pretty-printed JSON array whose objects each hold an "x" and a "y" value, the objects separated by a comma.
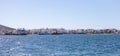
[{"x": 4, "y": 29}]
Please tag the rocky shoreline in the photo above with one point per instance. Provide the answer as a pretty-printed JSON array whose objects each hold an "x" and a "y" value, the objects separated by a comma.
[{"x": 62, "y": 31}]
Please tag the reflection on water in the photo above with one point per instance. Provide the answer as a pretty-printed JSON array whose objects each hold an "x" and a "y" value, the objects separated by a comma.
[{"x": 60, "y": 45}]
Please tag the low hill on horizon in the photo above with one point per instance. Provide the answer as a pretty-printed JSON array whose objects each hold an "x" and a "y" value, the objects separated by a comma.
[{"x": 4, "y": 29}]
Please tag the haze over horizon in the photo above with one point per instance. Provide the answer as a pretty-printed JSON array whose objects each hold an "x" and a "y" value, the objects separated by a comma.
[{"x": 69, "y": 14}]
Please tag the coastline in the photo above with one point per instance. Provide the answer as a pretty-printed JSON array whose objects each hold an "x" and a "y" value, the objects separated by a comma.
[
  {"x": 59, "y": 34},
  {"x": 55, "y": 31}
]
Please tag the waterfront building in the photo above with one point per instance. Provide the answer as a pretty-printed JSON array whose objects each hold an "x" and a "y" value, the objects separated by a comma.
[{"x": 20, "y": 32}]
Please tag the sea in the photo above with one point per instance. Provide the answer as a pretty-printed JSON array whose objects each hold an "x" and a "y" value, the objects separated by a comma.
[{"x": 61, "y": 45}]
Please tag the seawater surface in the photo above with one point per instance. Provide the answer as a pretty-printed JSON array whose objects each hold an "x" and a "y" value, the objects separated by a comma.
[{"x": 60, "y": 45}]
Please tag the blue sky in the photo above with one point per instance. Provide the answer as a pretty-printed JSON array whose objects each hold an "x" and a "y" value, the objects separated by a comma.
[{"x": 69, "y": 14}]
